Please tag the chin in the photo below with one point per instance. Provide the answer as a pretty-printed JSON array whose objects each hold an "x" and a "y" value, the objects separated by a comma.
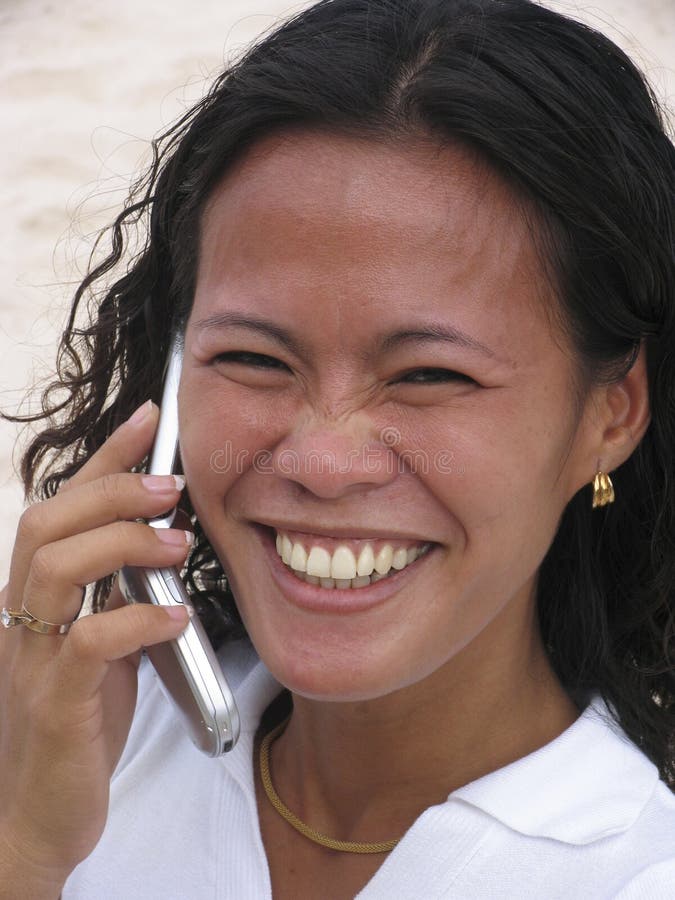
[
  {"x": 331, "y": 688},
  {"x": 331, "y": 673}
]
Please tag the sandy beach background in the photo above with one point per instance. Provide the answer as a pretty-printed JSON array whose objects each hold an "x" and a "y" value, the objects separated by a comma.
[{"x": 83, "y": 86}]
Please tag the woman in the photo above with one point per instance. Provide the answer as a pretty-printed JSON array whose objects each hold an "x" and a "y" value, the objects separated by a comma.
[{"x": 420, "y": 254}]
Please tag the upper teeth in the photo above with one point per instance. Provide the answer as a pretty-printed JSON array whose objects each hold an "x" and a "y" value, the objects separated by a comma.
[{"x": 343, "y": 564}]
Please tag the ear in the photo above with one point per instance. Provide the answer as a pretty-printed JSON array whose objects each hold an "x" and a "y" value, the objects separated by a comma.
[{"x": 624, "y": 414}]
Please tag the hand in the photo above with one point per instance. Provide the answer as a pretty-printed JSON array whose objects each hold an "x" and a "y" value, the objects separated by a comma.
[{"x": 66, "y": 702}]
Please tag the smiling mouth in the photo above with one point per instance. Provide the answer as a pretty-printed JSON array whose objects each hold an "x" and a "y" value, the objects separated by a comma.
[{"x": 344, "y": 564}]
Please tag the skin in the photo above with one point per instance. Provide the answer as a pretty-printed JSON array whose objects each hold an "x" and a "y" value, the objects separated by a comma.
[{"x": 339, "y": 241}]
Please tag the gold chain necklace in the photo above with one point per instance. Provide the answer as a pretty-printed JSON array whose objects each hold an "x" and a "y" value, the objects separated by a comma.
[{"x": 298, "y": 824}]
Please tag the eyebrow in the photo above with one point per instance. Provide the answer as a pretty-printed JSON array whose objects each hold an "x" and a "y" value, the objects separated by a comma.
[
  {"x": 261, "y": 326},
  {"x": 434, "y": 332},
  {"x": 427, "y": 333}
]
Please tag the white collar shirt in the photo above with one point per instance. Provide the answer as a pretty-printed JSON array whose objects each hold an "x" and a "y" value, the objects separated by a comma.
[{"x": 585, "y": 817}]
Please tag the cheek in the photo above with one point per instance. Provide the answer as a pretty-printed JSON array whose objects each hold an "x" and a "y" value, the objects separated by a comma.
[
  {"x": 225, "y": 430},
  {"x": 497, "y": 465}
]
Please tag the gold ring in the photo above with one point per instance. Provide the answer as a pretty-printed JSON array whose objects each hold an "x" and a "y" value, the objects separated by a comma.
[{"x": 10, "y": 617}]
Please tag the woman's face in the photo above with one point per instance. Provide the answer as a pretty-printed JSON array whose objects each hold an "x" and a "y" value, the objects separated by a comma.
[{"x": 406, "y": 385}]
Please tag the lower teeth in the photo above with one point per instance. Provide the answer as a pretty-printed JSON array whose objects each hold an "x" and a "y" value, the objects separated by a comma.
[
  {"x": 346, "y": 583},
  {"x": 343, "y": 583}
]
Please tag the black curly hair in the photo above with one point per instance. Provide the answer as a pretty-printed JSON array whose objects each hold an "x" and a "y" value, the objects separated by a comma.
[{"x": 566, "y": 118}]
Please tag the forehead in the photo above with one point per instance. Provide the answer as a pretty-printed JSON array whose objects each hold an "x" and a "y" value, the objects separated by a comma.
[
  {"x": 408, "y": 183},
  {"x": 383, "y": 226}
]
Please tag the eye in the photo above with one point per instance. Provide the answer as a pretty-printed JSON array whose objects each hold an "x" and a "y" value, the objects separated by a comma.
[
  {"x": 255, "y": 360},
  {"x": 435, "y": 376}
]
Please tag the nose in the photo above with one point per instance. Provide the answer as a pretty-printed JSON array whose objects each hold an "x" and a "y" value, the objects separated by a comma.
[{"x": 332, "y": 459}]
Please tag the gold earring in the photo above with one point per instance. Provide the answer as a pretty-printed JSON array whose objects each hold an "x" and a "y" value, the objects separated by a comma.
[{"x": 603, "y": 490}]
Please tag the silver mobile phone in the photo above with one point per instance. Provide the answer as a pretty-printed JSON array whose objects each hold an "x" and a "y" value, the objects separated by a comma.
[{"x": 187, "y": 667}]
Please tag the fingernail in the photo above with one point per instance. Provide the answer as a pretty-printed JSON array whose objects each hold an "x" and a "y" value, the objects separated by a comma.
[
  {"x": 178, "y": 612},
  {"x": 141, "y": 413},
  {"x": 162, "y": 484},
  {"x": 174, "y": 536}
]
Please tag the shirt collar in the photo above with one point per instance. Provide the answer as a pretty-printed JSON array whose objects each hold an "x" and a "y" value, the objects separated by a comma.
[{"x": 589, "y": 782}]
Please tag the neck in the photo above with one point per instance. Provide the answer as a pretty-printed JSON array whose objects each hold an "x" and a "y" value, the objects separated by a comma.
[{"x": 366, "y": 770}]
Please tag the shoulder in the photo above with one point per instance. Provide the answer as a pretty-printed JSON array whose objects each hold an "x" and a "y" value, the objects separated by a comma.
[
  {"x": 654, "y": 832},
  {"x": 654, "y": 882}
]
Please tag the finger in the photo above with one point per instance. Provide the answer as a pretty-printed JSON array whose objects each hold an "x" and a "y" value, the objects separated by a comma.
[
  {"x": 60, "y": 570},
  {"x": 96, "y": 641},
  {"x": 115, "y": 600},
  {"x": 126, "y": 447},
  {"x": 87, "y": 506}
]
